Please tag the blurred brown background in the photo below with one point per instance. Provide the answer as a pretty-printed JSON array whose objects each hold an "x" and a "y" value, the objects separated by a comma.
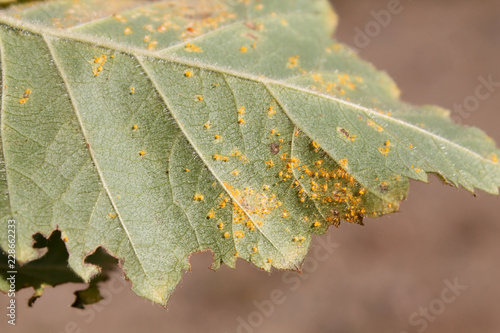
[{"x": 380, "y": 275}]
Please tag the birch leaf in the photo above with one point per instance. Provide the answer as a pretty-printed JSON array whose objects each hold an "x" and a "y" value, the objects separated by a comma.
[{"x": 156, "y": 129}]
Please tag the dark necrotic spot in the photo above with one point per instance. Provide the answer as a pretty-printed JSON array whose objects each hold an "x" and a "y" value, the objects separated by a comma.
[
  {"x": 275, "y": 148},
  {"x": 344, "y": 132},
  {"x": 335, "y": 212}
]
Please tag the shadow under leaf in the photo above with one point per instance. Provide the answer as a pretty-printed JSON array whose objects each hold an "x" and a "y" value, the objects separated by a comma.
[{"x": 52, "y": 269}]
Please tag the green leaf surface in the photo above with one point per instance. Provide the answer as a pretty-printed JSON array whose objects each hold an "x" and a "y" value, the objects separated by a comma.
[{"x": 159, "y": 129}]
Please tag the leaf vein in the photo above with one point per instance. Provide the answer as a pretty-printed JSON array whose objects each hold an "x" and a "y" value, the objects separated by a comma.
[{"x": 91, "y": 153}]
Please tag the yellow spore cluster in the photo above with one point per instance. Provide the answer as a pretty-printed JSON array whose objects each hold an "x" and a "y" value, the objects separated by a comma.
[{"x": 98, "y": 64}]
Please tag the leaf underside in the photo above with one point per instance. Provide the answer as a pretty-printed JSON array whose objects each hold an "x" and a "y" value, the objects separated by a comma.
[{"x": 156, "y": 130}]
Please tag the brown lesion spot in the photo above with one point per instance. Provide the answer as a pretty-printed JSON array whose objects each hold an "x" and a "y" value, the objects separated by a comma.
[{"x": 274, "y": 148}]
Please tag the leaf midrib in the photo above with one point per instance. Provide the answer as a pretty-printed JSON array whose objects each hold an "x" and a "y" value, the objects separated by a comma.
[{"x": 11, "y": 22}]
